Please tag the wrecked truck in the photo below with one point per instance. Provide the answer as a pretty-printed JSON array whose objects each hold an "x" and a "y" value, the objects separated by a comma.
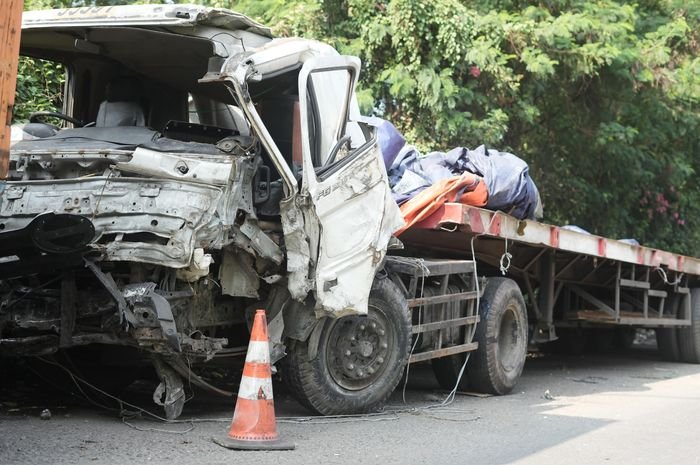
[{"x": 201, "y": 169}]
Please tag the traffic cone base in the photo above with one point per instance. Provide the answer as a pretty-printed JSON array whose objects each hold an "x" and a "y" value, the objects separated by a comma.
[
  {"x": 253, "y": 426},
  {"x": 237, "y": 444}
]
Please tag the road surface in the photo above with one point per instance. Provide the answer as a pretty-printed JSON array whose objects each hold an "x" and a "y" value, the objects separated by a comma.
[{"x": 629, "y": 408}]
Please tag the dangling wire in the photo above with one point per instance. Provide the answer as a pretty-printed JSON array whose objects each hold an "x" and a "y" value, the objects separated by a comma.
[{"x": 664, "y": 276}]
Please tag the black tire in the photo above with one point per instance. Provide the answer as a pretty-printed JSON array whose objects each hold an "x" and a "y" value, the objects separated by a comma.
[
  {"x": 689, "y": 337},
  {"x": 447, "y": 370},
  {"x": 326, "y": 384},
  {"x": 496, "y": 365},
  {"x": 667, "y": 338}
]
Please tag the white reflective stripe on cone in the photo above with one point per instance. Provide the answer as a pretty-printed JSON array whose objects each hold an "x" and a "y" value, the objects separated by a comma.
[
  {"x": 258, "y": 352},
  {"x": 251, "y": 388}
]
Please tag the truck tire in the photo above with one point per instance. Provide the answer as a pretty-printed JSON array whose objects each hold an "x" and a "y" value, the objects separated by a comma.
[
  {"x": 502, "y": 335},
  {"x": 447, "y": 370},
  {"x": 360, "y": 359},
  {"x": 667, "y": 338},
  {"x": 689, "y": 337}
]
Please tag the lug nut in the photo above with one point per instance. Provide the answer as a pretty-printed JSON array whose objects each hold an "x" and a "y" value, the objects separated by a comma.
[
  {"x": 352, "y": 338},
  {"x": 351, "y": 366},
  {"x": 360, "y": 373},
  {"x": 362, "y": 327},
  {"x": 380, "y": 332},
  {"x": 380, "y": 359},
  {"x": 383, "y": 345},
  {"x": 348, "y": 353}
]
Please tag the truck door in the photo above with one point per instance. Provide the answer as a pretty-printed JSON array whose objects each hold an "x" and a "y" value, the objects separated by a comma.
[{"x": 352, "y": 214}]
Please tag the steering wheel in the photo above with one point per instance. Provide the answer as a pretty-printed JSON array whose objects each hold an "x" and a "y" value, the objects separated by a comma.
[
  {"x": 345, "y": 140},
  {"x": 37, "y": 115}
]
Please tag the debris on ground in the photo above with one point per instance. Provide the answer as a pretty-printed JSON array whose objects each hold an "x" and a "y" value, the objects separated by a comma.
[
  {"x": 45, "y": 414},
  {"x": 547, "y": 395}
]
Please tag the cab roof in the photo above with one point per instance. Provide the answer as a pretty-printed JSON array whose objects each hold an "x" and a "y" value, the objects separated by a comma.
[{"x": 143, "y": 15}]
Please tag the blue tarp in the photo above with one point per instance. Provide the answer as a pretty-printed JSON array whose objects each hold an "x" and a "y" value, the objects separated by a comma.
[{"x": 507, "y": 178}]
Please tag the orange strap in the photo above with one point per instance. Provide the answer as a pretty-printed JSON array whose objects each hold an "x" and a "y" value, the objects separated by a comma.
[{"x": 424, "y": 204}]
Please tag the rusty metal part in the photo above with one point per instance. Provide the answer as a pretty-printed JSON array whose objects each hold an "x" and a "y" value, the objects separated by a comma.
[
  {"x": 179, "y": 365},
  {"x": 170, "y": 393}
]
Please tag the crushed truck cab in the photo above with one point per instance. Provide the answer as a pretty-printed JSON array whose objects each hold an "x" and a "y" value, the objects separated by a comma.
[{"x": 201, "y": 169}]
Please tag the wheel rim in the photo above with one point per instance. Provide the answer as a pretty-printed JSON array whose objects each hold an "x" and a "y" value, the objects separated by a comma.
[
  {"x": 509, "y": 339},
  {"x": 358, "y": 349}
]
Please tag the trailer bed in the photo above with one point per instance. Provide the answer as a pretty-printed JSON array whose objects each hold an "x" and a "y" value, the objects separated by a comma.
[{"x": 570, "y": 277}]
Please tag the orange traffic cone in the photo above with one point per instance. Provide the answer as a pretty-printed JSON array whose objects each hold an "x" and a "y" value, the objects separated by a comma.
[{"x": 253, "y": 426}]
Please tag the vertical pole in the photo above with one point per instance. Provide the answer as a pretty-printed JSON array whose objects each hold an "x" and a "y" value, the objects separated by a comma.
[
  {"x": 544, "y": 331},
  {"x": 617, "y": 291},
  {"x": 646, "y": 295},
  {"x": 10, "y": 29}
]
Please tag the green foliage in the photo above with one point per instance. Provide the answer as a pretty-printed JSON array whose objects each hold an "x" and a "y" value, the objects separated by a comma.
[
  {"x": 600, "y": 97},
  {"x": 39, "y": 87}
]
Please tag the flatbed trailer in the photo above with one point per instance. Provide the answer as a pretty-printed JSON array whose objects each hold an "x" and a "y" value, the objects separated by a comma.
[
  {"x": 570, "y": 278},
  {"x": 560, "y": 284}
]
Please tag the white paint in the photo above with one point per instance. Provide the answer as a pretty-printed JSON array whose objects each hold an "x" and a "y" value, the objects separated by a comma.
[
  {"x": 258, "y": 352},
  {"x": 250, "y": 388}
]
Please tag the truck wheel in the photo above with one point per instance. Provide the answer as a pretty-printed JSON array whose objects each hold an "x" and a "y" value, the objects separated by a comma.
[
  {"x": 689, "y": 337},
  {"x": 360, "y": 359},
  {"x": 667, "y": 338},
  {"x": 502, "y": 336},
  {"x": 447, "y": 370}
]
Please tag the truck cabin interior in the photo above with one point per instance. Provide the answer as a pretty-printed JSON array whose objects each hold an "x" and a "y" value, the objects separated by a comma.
[{"x": 119, "y": 79}]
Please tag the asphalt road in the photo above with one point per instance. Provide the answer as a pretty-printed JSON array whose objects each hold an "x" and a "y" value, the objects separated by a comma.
[{"x": 629, "y": 408}]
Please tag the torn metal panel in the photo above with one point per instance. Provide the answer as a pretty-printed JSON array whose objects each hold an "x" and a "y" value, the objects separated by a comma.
[
  {"x": 174, "y": 213},
  {"x": 170, "y": 393},
  {"x": 237, "y": 275},
  {"x": 55, "y": 163},
  {"x": 298, "y": 253},
  {"x": 206, "y": 169},
  {"x": 261, "y": 243}
]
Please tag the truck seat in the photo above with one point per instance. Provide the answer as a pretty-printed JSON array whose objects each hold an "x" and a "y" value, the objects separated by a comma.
[{"x": 122, "y": 105}]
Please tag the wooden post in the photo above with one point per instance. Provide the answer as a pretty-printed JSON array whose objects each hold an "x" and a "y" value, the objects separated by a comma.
[{"x": 10, "y": 30}]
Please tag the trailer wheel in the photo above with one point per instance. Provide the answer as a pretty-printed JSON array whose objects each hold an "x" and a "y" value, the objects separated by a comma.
[
  {"x": 359, "y": 360},
  {"x": 447, "y": 370},
  {"x": 502, "y": 336},
  {"x": 689, "y": 337},
  {"x": 667, "y": 338}
]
